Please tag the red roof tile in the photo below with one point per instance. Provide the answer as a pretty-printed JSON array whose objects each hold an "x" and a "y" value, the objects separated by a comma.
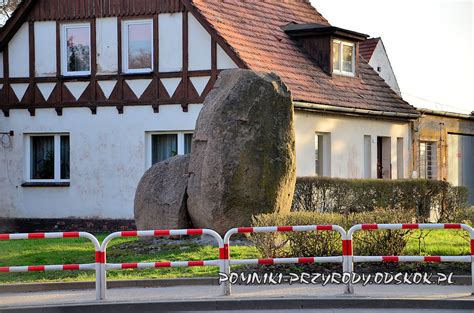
[
  {"x": 366, "y": 48},
  {"x": 253, "y": 29}
]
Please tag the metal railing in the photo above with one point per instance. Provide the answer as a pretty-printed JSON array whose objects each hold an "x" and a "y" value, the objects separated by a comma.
[
  {"x": 274, "y": 229},
  {"x": 157, "y": 233},
  {"x": 224, "y": 262},
  {"x": 371, "y": 227},
  {"x": 63, "y": 267}
]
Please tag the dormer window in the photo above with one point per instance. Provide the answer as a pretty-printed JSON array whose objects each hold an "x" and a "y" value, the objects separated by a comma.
[{"x": 343, "y": 58}]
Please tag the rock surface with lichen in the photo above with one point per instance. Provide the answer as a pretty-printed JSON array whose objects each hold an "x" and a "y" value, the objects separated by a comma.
[
  {"x": 160, "y": 199},
  {"x": 243, "y": 151}
]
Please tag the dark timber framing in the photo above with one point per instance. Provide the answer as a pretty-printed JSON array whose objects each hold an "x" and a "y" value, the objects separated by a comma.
[{"x": 73, "y": 11}]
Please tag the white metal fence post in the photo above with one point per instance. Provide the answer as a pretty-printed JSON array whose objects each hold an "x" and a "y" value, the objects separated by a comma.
[
  {"x": 348, "y": 264},
  {"x": 227, "y": 285},
  {"x": 103, "y": 275}
]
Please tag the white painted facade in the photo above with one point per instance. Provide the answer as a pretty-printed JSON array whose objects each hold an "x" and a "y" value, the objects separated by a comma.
[
  {"x": 45, "y": 48},
  {"x": 347, "y": 147},
  {"x": 18, "y": 53},
  {"x": 199, "y": 46},
  {"x": 381, "y": 64},
  {"x": 170, "y": 43},
  {"x": 109, "y": 152},
  {"x": 107, "y": 159},
  {"x": 107, "y": 50}
]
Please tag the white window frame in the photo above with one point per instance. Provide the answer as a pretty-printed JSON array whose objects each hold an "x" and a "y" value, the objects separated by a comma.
[
  {"x": 148, "y": 141},
  {"x": 63, "y": 42},
  {"x": 57, "y": 157},
  {"x": 325, "y": 170},
  {"x": 125, "y": 25},
  {"x": 341, "y": 49}
]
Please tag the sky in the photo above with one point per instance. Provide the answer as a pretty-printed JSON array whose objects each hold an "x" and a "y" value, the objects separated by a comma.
[{"x": 430, "y": 44}]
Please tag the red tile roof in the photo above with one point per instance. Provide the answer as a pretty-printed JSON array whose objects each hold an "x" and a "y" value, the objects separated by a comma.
[
  {"x": 254, "y": 30},
  {"x": 366, "y": 48}
]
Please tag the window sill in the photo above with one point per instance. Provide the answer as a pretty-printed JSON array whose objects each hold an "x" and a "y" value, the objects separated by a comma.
[
  {"x": 46, "y": 184},
  {"x": 345, "y": 74},
  {"x": 75, "y": 76},
  {"x": 131, "y": 74}
]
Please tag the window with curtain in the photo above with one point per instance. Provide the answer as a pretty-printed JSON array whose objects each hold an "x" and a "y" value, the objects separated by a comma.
[
  {"x": 166, "y": 145},
  {"x": 42, "y": 157},
  {"x": 188, "y": 138},
  {"x": 64, "y": 157},
  {"x": 163, "y": 146},
  {"x": 49, "y": 157}
]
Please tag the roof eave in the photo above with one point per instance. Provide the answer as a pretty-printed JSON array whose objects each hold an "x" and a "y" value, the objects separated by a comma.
[
  {"x": 446, "y": 114},
  {"x": 305, "y": 30},
  {"x": 339, "y": 109}
]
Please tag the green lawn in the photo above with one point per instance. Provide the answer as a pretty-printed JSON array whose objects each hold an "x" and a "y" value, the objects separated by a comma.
[
  {"x": 73, "y": 251},
  {"x": 439, "y": 242}
]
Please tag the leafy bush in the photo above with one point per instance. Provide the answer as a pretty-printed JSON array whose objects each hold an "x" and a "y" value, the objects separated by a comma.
[
  {"x": 379, "y": 242},
  {"x": 326, "y": 243},
  {"x": 421, "y": 199}
]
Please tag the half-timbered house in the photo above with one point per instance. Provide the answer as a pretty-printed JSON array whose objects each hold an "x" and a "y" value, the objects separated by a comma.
[{"x": 93, "y": 92}]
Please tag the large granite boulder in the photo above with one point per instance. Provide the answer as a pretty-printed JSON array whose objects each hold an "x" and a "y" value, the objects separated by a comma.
[
  {"x": 160, "y": 199},
  {"x": 243, "y": 151}
]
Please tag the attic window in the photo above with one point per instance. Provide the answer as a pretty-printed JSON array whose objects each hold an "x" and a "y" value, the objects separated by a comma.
[
  {"x": 138, "y": 46},
  {"x": 76, "y": 43},
  {"x": 343, "y": 58}
]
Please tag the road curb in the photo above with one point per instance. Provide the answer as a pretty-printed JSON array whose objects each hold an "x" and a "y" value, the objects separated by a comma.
[
  {"x": 40, "y": 287},
  {"x": 145, "y": 283},
  {"x": 252, "y": 304}
]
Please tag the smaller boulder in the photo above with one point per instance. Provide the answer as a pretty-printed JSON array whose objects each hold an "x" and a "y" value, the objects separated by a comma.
[{"x": 160, "y": 199}]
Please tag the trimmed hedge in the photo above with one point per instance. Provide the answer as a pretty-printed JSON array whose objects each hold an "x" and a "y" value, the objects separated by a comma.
[
  {"x": 327, "y": 243},
  {"x": 416, "y": 197}
]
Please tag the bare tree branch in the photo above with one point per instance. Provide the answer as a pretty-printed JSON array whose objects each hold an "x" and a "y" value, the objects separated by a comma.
[{"x": 7, "y": 7}]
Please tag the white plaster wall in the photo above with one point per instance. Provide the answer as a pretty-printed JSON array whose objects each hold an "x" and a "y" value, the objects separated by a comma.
[
  {"x": 380, "y": 59},
  {"x": 1, "y": 65},
  {"x": 45, "y": 49},
  {"x": 107, "y": 159},
  {"x": 199, "y": 45},
  {"x": 18, "y": 53},
  {"x": 347, "y": 143},
  {"x": 107, "y": 55},
  {"x": 170, "y": 35},
  {"x": 460, "y": 162},
  {"x": 223, "y": 59}
]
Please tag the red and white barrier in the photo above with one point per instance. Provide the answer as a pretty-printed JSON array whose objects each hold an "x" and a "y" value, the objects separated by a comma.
[
  {"x": 224, "y": 262},
  {"x": 156, "y": 233},
  {"x": 274, "y": 229},
  {"x": 64, "y": 267},
  {"x": 351, "y": 259},
  {"x": 48, "y": 268}
]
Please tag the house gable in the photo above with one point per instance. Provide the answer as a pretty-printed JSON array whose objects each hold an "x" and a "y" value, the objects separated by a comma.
[
  {"x": 377, "y": 57},
  {"x": 186, "y": 51}
]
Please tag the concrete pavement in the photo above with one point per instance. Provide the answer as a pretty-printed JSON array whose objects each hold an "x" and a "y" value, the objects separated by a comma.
[{"x": 191, "y": 298}]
